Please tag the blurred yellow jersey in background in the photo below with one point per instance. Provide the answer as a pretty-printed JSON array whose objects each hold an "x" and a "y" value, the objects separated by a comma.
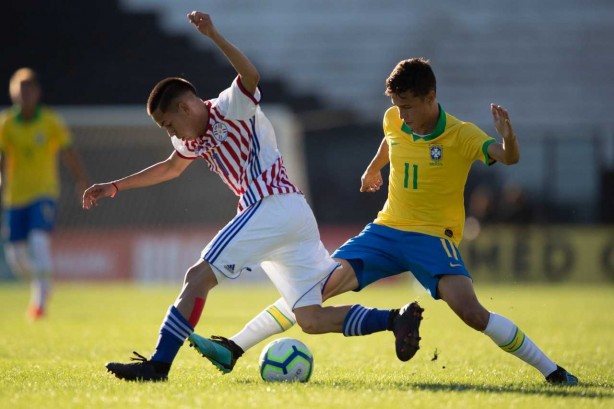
[
  {"x": 29, "y": 152},
  {"x": 428, "y": 174}
]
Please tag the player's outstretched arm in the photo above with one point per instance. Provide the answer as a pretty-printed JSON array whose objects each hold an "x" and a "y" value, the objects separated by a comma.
[
  {"x": 508, "y": 151},
  {"x": 244, "y": 67},
  {"x": 73, "y": 162},
  {"x": 158, "y": 173},
  {"x": 371, "y": 180}
]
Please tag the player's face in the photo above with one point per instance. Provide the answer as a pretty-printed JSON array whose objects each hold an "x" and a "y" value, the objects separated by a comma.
[
  {"x": 416, "y": 112},
  {"x": 181, "y": 122},
  {"x": 28, "y": 95}
]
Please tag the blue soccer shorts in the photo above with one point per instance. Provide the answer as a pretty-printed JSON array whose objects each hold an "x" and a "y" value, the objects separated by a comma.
[
  {"x": 18, "y": 222},
  {"x": 380, "y": 251}
]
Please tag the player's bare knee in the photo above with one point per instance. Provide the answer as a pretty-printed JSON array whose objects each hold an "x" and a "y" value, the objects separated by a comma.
[
  {"x": 476, "y": 318},
  {"x": 201, "y": 275},
  {"x": 308, "y": 326},
  {"x": 308, "y": 323},
  {"x": 342, "y": 280}
]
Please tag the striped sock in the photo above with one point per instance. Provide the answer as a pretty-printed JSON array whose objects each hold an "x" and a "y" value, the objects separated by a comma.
[
  {"x": 174, "y": 331},
  {"x": 511, "y": 339},
  {"x": 365, "y": 321},
  {"x": 275, "y": 319}
]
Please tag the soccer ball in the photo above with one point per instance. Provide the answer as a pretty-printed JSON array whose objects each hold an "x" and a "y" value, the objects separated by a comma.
[{"x": 286, "y": 360}]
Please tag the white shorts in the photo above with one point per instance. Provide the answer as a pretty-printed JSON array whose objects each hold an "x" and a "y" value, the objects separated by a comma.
[{"x": 280, "y": 234}]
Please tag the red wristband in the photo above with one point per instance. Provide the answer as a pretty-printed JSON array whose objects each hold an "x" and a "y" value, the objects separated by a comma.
[{"x": 116, "y": 189}]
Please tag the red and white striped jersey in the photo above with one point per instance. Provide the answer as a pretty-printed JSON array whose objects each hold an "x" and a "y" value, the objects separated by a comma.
[{"x": 240, "y": 146}]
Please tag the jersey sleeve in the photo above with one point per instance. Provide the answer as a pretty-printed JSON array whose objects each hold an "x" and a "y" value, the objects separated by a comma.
[
  {"x": 183, "y": 149},
  {"x": 475, "y": 143},
  {"x": 238, "y": 103},
  {"x": 386, "y": 123},
  {"x": 3, "y": 122}
]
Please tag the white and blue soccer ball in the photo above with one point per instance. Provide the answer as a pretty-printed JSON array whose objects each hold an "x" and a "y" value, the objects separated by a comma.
[{"x": 286, "y": 360}]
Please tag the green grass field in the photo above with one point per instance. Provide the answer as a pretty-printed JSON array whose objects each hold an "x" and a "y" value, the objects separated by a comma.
[{"x": 59, "y": 362}]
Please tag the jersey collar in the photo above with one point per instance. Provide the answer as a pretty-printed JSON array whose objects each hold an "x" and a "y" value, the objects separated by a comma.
[
  {"x": 439, "y": 128},
  {"x": 19, "y": 117},
  {"x": 210, "y": 120}
]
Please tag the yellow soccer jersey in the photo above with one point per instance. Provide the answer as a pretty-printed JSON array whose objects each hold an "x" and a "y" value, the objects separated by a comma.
[
  {"x": 29, "y": 152},
  {"x": 428, "y": 175}
]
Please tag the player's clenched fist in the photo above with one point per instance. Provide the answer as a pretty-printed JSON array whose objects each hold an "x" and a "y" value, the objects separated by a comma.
[
  {"x": 203, "y": 22},
  {"x": 371, "y": 182}
]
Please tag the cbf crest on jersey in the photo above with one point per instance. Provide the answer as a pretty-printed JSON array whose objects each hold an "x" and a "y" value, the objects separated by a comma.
[
  {"x": 220, "y": 131},
  {"x": 39, "y": 138},
  {"x": 436, "y": 152}
]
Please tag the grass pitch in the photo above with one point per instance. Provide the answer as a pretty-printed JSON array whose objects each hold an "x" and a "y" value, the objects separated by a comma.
[{"x": 59, "y": 361}]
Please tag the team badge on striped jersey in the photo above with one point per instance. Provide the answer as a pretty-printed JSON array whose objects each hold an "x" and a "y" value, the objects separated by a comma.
[{"x": 220, "y": 131}]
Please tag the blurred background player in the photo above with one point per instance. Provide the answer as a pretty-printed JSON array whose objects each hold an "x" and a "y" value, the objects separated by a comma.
[
  {"x": 274, "y": 226},
  {"x": 430, "y": 153},
  {"x": 31, "y": 138}
]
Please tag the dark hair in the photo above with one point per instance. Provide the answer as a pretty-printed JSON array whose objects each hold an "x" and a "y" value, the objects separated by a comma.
[
  {"x": 414, "y": 75},
  {"x": 166, "y": 91}
]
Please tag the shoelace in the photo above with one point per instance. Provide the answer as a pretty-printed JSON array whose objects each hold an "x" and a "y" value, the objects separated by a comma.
[
  {"x": 217, "y": 338},
  {"x": 236, "y": 350},
  {"x": 138, "y": 357}
]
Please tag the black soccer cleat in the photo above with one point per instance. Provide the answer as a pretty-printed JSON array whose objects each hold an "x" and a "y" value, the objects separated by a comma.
[
  {"x": 561, "y": 377},
  {"x": 406, "y": 327},
  {"x": 144, "y": 370}
]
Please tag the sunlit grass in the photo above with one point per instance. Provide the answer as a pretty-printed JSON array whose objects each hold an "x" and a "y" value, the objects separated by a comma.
[{"x": 59, "y": 361}]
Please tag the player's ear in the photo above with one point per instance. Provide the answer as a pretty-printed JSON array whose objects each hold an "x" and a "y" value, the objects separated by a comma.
[
  {"x": 430, "y": 97},
  {"x": 184, "y": 108}
]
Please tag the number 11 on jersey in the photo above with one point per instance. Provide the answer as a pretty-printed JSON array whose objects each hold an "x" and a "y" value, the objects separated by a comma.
[{"x": 414, "y": 176}]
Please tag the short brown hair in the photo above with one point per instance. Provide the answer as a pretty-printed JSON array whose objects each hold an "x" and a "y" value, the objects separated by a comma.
[
  {"x": 20, "y": 76},
  {"x": 414, "y": 75},
  {"x": 166, "y": 91}
]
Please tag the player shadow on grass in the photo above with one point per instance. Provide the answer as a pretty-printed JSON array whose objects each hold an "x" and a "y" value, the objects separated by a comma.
[
  {"x": 545, "y": 389},
  {"x": 541, "y": 389}
]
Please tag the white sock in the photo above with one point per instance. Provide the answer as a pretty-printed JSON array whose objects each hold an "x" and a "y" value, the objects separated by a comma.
[
  {"x": 19, "y": 260},
  {"x": 511, "y": 339},
  {"x": 40, "y": 292},
  {"x": 39, "y": 244},
  {"x": 275, "y": 319}
]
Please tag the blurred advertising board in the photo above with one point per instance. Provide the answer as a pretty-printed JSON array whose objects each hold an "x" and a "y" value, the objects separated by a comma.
[
  {"x": 564, "y": 253},
  {"x": 532, "y": 254}
]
